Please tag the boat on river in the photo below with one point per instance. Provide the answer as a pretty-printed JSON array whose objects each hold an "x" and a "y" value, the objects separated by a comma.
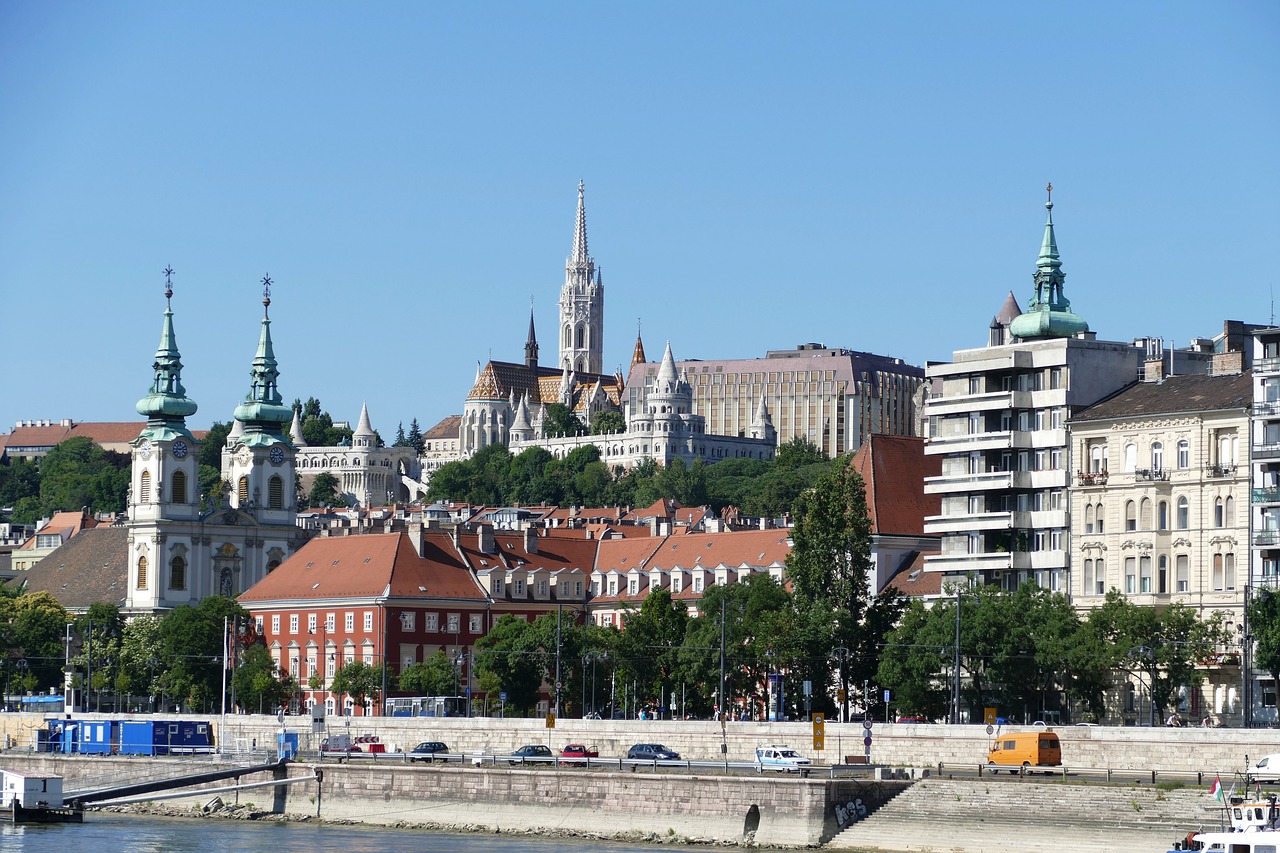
[{"x": 1254, "y": 827}]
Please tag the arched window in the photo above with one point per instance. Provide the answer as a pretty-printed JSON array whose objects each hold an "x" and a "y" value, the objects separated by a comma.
[
  {"x": 1162, "y": 515},
  {"x": 142, "y": 573},
  {"x": 1144, "y": 514},
  {"x": 1097, "y": 461},
  {"x": 242, "y": 491},
  {"x": 1218, "y": 510},
  {"x": 1130, "y": 457},
  {"x": 178, "y": 573},
  {"x": 1184, "y": 513},
  {"x": 1144, "y": 569},
  {"x": 1229, "y": 561},
  {"x": 1184, "y": 455},
  {"x": 1228, "y": 507},
  {"x": 144, "y": 488},
  {"x": 1157, "y": 456},
  {"x": 1087, "y": 589},
  {"x": 1130, "y": 516},
  {"x": 1088, "y": 527},
  {"x": 179, "y": 487},
  {"x": 1162, "y": 575},
  {"x": 1225, "y": 456}
]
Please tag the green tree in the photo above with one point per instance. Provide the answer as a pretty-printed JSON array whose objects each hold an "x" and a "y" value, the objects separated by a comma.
[
  {"x": 19, "y": 478},
  {"x": 1264, "y": 625},
  {"x": 190, "y": 642},
  {"x": 325, "y": 491},
  {"x": 400, "y": 441},
  {"x": 436, "y": 676},
  {"x": 608, "y": 423},
  {"x": 507, "y": 660},
  {"x": 212, "y": 444},
  {"x": 78, "y": 473},
  {"x": 101, "y": 628},
  {"x": 797, "y": 453},
  {"x": 34, "y": 626},
  {"x": 650, "y": 647},
  {"x": 213, "y": 489},
  {"x": 360, "y": 681},
  {"x": 415, "y": 438},
  {"x": 559, "y": 420},
  {"x": 256, "y": 682}
]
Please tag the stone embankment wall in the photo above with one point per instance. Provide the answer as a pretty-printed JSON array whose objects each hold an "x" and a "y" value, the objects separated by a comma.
[
  {"x": 1188, "y": 749},
  {"x": 771, "y": 810}
]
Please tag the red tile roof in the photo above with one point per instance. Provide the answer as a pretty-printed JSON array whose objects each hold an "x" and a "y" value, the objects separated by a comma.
[
  {"x": 552, "y": 554},
  {"x": 756, "y": 548},
  {"x": 625, "y": 554},
  {"x": 915, "y": 582},
  {"x": 367, "y": 566},
  {"x": 893, "y": 467},
  {"x": 447, "y": 428}
]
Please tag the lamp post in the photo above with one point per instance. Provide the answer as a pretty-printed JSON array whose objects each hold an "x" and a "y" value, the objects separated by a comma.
[
  {"x": 457, "y": 670},
  {"x": 1246, "y": 662},
  {"x": 955, "y": 694}
]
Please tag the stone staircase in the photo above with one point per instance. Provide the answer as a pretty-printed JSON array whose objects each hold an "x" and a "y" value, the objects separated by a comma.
[{"x": 988, "y": 815}]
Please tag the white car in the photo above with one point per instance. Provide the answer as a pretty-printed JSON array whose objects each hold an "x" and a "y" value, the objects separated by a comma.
[
  {"x": 780, "y": 757},
  {"x": 1265, "y": 769}
]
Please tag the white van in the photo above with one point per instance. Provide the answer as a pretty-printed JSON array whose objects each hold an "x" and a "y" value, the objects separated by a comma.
[{"x": 780, "y": 757}]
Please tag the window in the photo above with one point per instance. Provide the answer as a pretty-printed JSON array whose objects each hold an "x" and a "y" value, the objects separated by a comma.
[
  {"x": 613, "y": 586},
  {"x": 275, "y": 623},
  {"x": 330, "y": 622},
  {"x": 1130, "y": 575},
  {"x": 179, "y": 489},
  {"x": 1229, "y": 570},
  {"x": 1217, "y": 573},
  {"x": 311, "y": 623},
  {"x": 542, "y": 589},
  {"x": 275, "y": 493},
  {"x": 1182, "y": 572},
  {"x": 349, "y": 622},
  {"x": 1227, "y": 509},
  {"x": 1162, "y": 515},
  {"x": 144, "y": 488},
  {"x": 1184, "y": 513},
  {"x": 520, "y": 588},
  {"x": 697, "y": 584},
  {"x": 242, "y": 491},
  {"x": 1130, "y": 457},
  {"x": 1157, "y": 456},
  {"x": 1144, "y": 567},
  {"x": 1097, "y": 459},
  {"x": 1144, "y": 514},
  {"x": 368, "y": 620},
  {"x": 177, "y": 573},
  {"x": 1184, "y": 455},
  {"x": 496, "y": 586},
  {"x": 142, "y": 573},
  {"x": 1130, "y": 516},
  {"x": 633, "y": 586},
  {"x": 475, "y": 623},
  {"x": 1217, "y": 512},
  {"x": 293, "y": 623},
  {"x": 1088, "y": 577},
  {"x": 1088, "y": 524},
  {"x": 432, "y": 623},
  {"x": 577, "y": 589},
  {"x": 1100, "y": 579},
  {"x": 454, "y": 623}
]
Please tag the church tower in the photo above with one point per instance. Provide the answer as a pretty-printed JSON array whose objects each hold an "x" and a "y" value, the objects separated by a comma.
[
  {"x": 581, "y": 304},
  {"x": 165, "y": 478},
  {"x": 260, "y": 463}
]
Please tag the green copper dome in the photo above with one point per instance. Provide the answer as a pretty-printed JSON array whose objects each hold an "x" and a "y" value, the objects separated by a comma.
[
  {"x": 1049, "y": 313},
  {"x": 263, "y": 411},
  {"x": 167, "y": 405}
]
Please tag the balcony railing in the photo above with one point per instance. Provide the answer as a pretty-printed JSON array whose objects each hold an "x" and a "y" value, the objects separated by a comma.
[
  {"x": 1265, "y": 408},
  {"x": 1266, "y": 365},
  {"x": 1097, "y": 478},
  {"x": 1152, "y": 474},
  {"x": 1216, "y": 470},
  {"x": 1266, "y": 537},
  {"x": 1266, "y": 451},
  {"x": 1268, "y": 495}
]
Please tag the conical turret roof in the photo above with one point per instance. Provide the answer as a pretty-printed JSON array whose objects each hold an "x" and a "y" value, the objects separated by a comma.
[
  {"x": 167, "y": 405},
  {"x": 263, "y": 411},
  {"x": 1049, "y": 313}
]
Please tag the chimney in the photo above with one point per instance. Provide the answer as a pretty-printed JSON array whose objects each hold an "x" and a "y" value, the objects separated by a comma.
[
  {"x": 486, "y": 544},
  {"x": 1153, "y": 370},
  {"x": 531, "y": 540},
  {"x": 415, "y": 536}
]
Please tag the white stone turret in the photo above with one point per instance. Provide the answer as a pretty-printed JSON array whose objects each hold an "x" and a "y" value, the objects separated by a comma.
[
  {"x": 364, "y": 435},
  {"x": 762, "y": 423},
  {"x": 295, "y": 430},
  {"x": 581, "y": 303}
]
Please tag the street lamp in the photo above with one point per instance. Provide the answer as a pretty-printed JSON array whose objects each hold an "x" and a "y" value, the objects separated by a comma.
[
  {"x": 840, "y": 654},
  {"x": 457, "y": 671}
]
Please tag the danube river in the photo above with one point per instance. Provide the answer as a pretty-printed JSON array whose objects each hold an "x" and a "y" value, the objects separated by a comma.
[{"x": 109, "y": 833}]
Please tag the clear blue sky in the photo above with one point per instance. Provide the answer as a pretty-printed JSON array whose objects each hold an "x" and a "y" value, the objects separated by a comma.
[{"x": 758, "y": 175}]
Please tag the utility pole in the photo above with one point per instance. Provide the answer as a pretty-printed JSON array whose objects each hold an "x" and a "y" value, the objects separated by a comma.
[
  {"x": 559, "y": 610},
  {"x": 724, "y": 704},
  {"x": 955, "y": 698}
]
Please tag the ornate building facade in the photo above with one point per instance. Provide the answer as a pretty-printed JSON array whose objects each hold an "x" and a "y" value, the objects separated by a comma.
[
  {"x": 177, "y": 553},
  {"x": 368, "y": 475}
]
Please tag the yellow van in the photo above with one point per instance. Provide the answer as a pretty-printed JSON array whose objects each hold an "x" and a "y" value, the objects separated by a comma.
[{"x": 1024, "y": 750}]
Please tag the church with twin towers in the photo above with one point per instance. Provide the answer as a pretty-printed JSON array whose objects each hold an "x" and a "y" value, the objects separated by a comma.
[{"x": 709, "y": 410}]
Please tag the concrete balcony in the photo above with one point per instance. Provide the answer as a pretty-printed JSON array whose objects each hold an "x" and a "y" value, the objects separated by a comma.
[
  {"x": 1036, "y": 560},
  {"x": 1042, "y": 520},
  {"x": 987, "y": 481},
  {"x": 969, "y": 443},
  {"x": 960, "y": 563},
  {"x": 967, "y": 522},
  {"x": 1050, "y": 479},
  {"x": 959, "y": 405}
]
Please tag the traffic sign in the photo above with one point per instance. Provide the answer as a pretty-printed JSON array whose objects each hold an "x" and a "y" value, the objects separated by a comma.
[
  {"x": 551, "y": 721},
  {"x": 502, "y": 696},
  {"x": 866, "y": 724},
  {"x": 991, "y": 730},
  {"x": 819, "y": 743},
  {"x": 842, "y": 695},
  {"x": 866, "y": 741},
  {"x": 989, "y": 716}
]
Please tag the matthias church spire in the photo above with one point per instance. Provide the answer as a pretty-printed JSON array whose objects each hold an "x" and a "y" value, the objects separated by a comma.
[
  {"x": 167, "y": 405},
  {"x": 581, "y": 303}
]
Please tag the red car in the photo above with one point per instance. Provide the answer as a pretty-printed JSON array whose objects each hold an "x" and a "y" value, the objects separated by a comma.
[{"x": 578, "y": 750}]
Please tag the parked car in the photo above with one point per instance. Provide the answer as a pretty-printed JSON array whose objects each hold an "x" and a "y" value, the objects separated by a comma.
[
  {"x": 577, "y": 750},
  {"x": 780, "y": 757},
  {"x": 532, "y": 752},
  {"x": 1265, "y": 769},
  {"x": 428, "y": 750},
  {"x": 652, "y": 752}
]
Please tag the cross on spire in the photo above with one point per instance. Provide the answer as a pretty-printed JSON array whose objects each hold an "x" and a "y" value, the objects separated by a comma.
[{"x": 266, "y": 291}]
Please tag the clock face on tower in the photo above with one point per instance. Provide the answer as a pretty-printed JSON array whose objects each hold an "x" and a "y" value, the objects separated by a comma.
[
  {"x": 180, "y": 449},
  {"x": 277, "y": 455}
]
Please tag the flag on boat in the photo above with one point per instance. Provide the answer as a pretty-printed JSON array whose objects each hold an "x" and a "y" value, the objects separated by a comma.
[{"x": 1215, "y": 790}]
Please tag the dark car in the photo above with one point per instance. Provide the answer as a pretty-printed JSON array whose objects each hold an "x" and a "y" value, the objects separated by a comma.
[
  {"x": 652, "y": 752},
  {"x": 578, "y": 750},
  {"x": 428, "y": 750},
  {"x": 532, "y": 752}
]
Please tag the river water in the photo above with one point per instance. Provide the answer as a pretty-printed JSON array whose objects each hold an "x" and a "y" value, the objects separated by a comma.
[{"x": 109, "y": 833}]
